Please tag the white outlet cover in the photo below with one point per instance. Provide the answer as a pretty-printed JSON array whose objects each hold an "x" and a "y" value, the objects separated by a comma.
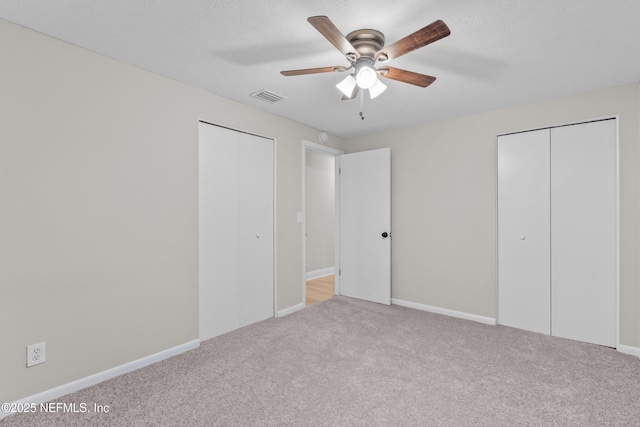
[{"x": 35, "y": 354}]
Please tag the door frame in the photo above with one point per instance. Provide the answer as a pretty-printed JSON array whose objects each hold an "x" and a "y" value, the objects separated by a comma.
[{"x": 336, "y": 153}]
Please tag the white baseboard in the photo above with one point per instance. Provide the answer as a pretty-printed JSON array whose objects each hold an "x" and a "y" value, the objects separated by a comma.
[
  {"x": 627, "y": 349},
  {"x": 320, "y": 273},
  {"x": 446, "y": 312},
  {"x": 291, "y": 310},
  {"x": 94, "y": 379}
]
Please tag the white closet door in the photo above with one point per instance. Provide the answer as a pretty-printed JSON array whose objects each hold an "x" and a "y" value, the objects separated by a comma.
[
  {"x": 236, "y": 230},
  {"x": 584, "y": 232},
  {"x": 256, "y": 229},
  {"x": 219, "y": 226},
  {"x": 524, "y": 230}
]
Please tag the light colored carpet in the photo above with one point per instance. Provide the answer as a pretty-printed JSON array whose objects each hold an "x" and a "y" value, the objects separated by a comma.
[{"x": 346, "y": 362}]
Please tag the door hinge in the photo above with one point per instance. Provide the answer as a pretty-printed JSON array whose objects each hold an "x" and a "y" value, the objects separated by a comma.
[
  {"x": 339, "y": 171},
  {"x": 339, "y": 272}
]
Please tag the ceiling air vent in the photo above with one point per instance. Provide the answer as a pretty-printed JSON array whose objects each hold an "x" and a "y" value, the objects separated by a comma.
[{"x": 268, "y": 96}]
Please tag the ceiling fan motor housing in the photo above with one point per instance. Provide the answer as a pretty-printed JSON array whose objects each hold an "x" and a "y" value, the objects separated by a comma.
[{"x": 366, "y": 42}]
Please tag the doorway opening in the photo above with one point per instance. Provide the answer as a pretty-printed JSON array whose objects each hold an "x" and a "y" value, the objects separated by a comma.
[{"x": 320, "y": 226}]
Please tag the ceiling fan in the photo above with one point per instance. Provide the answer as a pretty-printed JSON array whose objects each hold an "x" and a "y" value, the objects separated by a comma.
[{"x": 368, "y": 58}]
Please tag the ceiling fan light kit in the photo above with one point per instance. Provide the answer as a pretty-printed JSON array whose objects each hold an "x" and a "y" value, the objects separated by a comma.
[{"x": 365, "y": 51}]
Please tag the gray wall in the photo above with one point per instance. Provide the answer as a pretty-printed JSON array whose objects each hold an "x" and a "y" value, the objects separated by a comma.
[
  {"x": 99, "y": 218},
  {"x": 320, "y": 210},
  {"x": 444, "y": 179}
]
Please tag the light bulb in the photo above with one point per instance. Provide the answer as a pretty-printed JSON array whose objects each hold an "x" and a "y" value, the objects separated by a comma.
[{"x": 366, "y": 77}]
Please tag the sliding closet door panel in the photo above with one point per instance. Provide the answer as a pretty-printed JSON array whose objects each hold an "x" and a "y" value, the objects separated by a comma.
[
  {"x": 524, "y": 230},
  {"x": 219, "y": 225},
  {"x": 584, "y": 232},
  {"x": 256, "y": 232}
]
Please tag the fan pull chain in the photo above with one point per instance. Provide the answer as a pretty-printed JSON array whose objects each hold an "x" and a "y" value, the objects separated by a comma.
[{"x": 362, "y": 104}]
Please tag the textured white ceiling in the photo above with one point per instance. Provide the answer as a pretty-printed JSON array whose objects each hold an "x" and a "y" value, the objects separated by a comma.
[{"x": 499, "y": 53}]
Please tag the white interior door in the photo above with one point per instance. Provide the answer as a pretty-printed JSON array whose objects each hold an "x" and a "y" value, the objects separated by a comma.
[
  {"x": 584, "y": 232},
  {"x": 256, "y": 229},
  {"x": 365, "y": 225},
  {"x": 524, "y": 231}
]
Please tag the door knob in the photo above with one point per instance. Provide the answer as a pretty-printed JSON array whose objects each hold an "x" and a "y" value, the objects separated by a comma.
[{"x": 385, "y": 235}]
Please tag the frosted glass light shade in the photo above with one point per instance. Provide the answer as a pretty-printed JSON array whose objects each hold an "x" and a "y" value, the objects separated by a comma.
[
  {"x": 347, "y": 85},
  {"x": 377, "y": 88}
]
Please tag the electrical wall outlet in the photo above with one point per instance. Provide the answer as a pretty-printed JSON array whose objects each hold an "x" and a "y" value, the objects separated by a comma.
[{"x": 35, "y": 354}]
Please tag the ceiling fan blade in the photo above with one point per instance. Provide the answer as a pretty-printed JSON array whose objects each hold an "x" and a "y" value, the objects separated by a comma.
[
  {"x": 313, "y": 70},
  {"x": 333, "y": 34},
  {"x": 429, "y": 34},
  {"x": 405, "y": 76},
  {"x": 354, "y": 94}
]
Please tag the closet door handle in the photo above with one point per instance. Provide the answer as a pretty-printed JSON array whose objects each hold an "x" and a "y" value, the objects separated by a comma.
[{"x": 385, "y": 235}]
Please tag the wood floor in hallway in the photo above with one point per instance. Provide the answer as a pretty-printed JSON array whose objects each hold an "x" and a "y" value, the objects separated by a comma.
[{"x": 320, "y": 289}]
